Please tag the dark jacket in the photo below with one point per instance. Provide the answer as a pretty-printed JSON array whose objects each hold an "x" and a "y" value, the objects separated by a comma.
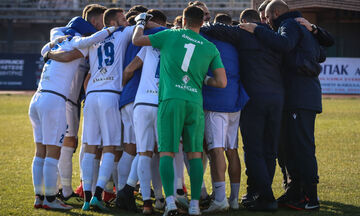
[
  {"x": 233, "y": 97},
  {"x": 294, "y": 40},
  {"x": 260, "y": 66}
]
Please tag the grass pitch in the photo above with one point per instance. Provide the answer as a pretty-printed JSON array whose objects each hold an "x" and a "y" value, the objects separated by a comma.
[{"x": 338, "y": 154}]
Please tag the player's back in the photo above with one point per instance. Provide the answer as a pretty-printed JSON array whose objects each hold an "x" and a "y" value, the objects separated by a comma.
[
  {"x": 147, "y": 91},
  {"x": 185, "y": 59},
  {"x": 106, "y": 61},
  {"x": 57, "y": 76}
]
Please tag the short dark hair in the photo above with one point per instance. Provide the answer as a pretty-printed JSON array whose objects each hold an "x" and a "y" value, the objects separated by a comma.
[
  {"x": 263, "y": 5},
  {"x": 94, "y": 11},
  {"x": 223, "y": 18},
  {"x": 131, "y": 20},
  {"x": 250, "y": 15},
  {"x": 139, "y": 8},
  {"x": 158, "y": 16},
  {"x": 131, "y": 13},
  {"x": 196, "y": 3},
  {"x": 194, "y": 16},
  {"x": 110, "y": 14}
]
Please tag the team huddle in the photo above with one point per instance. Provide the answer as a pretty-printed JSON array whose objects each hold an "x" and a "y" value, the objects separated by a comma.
[{"x": 159, "y": 97}]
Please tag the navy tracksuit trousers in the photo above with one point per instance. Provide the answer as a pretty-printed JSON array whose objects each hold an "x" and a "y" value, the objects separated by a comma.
[{"x": 260, "y": 123}]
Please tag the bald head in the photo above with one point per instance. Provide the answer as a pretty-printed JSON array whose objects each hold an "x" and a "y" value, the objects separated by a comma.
[
  {"x": 275, "y": 9},
  {"x": 278, "y": 6}
]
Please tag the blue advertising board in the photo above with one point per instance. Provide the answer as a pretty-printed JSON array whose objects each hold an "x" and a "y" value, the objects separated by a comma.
[{"x": 20, "y": 71}]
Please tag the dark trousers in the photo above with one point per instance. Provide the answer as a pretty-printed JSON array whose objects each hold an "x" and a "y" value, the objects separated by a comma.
[
  {"x": 260, "y": 122},
  {"x": 298, "y": 143}
]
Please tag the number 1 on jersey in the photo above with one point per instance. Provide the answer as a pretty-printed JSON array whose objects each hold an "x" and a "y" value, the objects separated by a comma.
[{"x": 189, "y": 52}]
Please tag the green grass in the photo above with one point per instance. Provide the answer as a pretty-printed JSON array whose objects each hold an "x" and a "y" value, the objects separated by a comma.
[{"x": 338, "y": 153}]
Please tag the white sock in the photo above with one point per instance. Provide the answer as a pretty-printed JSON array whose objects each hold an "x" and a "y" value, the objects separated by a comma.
[
  {"x": 144, "y": 173},
  {"x": 115, "y": 175},
  {"x": 155, "y": 177},
  {"x": 87, "y": 170},
  {"x": 133, "y": 175},
  {"x": 50, "y": 172},
  {"x": 95, "y": 174},
  {"x": 219, "y": 189},
  {"x": 81, "y": 156},
  {"x": 37, "y": 174},
  {"x": 65, "y": 169},
  {"x": 194, "y": 203},
  {"x": 106, "y": 169},
  {"x": 124, "y": 169},
  {"x": 235, "y": 187}
]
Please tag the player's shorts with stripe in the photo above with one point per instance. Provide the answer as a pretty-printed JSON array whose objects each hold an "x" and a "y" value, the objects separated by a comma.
[
  {"x": 72, "y": 119},
  {"x": 145, "y": 119},
  {"x": 127, "y": 120},
  {"x": 179, "y": 117},
  {"x": 102, "y": 121},
  {"x": 221, "y": 130},
  {"x": 48, "y": 118}
]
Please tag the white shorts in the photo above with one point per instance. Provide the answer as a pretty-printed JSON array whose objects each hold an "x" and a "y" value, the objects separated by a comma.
[
  {"x": 221, "y": 130},
  {"x": 72, "y": 119},
  {"x": 145, "y": 119},
  {"x": 48, "y": 118},
  {"x": 127, "y": 120},
  {"x": 102, "y": 121}
]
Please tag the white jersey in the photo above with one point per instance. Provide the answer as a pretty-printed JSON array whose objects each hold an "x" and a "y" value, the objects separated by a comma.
[
  {"x": 106, "y": 61},
  {"x": 148, "y": 89},
  {"x": 57, "y": 76},
  {"x": 83, "y": 68}
]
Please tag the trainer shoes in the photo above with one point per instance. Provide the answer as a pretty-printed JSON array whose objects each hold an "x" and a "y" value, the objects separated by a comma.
[
  {"x": 234, "y": 204},
  {"x": 38, "y": 202},
  {"x": 55, "y": 205},
  {"x": 98, "y": 203},
  {"x": 182, "y": 200},
  {"x": 86, "y": 206},
  {"x": 194, "y": 210},
  {"x": 160, "y": 204},
  {"x": 216, "y": 206},
  {"x": 79, "y": 190},
  {"x": 262, "y": 205},
  {"x": 249, "y": 198},
  {"x": 304, "y": 205},
  {"x": 72, "y": 197},
  {"x": 170, "y": 210},
  {"x": 148, "y": 209},
  {"x": 125, "y": 199}
]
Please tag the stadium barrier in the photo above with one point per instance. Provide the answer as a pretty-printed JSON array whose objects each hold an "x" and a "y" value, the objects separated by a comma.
[{"x": 23, "y": 71}]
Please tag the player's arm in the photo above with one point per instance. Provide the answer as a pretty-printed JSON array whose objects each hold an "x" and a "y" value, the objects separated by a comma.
[
  {"x": 324, "y": 38},
  {"x": 139, "y": 39},
  {"x": 64, "y": 56},
  {"x": 51, "y": 44},
  {"x": 84, "y": 42},
  {"x": 128, "y": 73},
  {"x": 226, "y": 33},
  {"x": 219, "y": 80}
]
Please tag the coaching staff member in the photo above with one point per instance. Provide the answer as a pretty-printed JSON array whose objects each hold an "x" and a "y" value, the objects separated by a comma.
[{"x": 302, "y": 95}]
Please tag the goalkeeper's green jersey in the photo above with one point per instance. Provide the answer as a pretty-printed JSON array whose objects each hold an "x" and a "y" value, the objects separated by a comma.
[{"x": 185, "y": 57}]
